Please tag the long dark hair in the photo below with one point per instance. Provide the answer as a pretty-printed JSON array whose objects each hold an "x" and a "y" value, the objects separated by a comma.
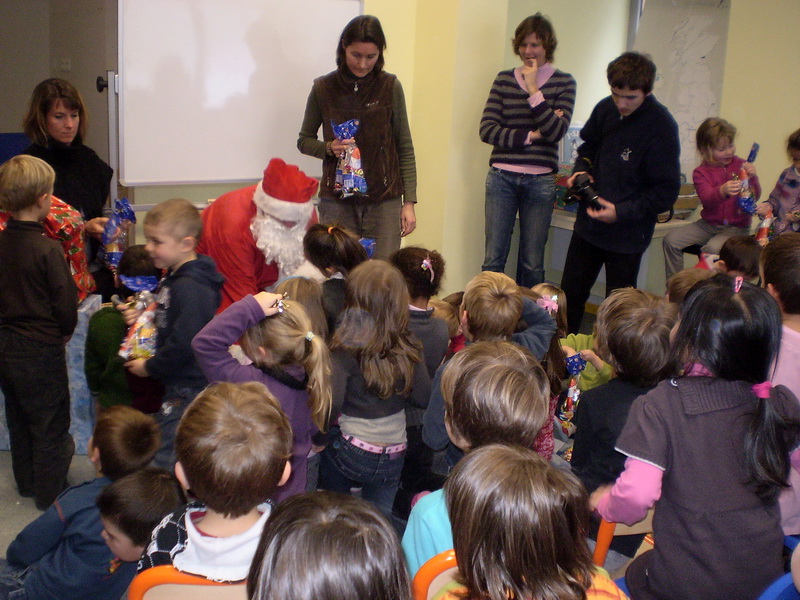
[
  {"x": 736, "y": 336},
  {"x": 364, "y": 28},
  {"x": 328, "y": 545}
]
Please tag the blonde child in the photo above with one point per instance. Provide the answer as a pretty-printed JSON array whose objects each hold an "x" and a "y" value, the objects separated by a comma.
[
  {"x": 187, "y": 299},
  {"x": 678, "y": 285},
  {"x": 38, "y": 312},
  {"x": 710, "y": 449},
  {"x": 327, "y": 545},
  {"x": 378, "y": 372},
  {"x": 308, "y": 293},
  {"x": 784, "y": 200},
  {"x": 287, "y": 357},
  {"x": 233, "y": 447},
  {"x": 554, "y": 301},
  {"x": 335, "y": 251},
  {"x": 518, "y": 526},
  {"x": 717, "y": 184}
]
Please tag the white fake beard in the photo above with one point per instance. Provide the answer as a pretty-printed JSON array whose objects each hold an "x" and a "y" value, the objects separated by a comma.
[{"x": 280, "y": 244}]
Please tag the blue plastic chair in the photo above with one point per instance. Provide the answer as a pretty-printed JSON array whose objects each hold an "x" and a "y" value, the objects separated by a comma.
[{"x": 782, "y": 589}]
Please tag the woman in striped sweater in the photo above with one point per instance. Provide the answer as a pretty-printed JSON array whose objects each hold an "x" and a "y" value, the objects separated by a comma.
[{"x": 527, "y": 113}]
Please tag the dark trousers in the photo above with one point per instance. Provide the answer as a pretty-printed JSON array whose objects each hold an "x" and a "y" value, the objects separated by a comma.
[
  {"x": 33, "y": 377},
  {"x": 583, "y": 264}
]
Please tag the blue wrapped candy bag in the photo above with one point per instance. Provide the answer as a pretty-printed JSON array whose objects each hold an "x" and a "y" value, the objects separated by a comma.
[
  {"x": 349, "y": 172},
  {"x": 369, "y": 246},
  {"x": 115, "y": 233}
]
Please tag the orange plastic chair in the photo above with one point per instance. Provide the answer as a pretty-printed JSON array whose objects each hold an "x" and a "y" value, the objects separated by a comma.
[
  {"x": 165, "y": 582},
  {"x": 434, "y": 575},
  {"x": 608, "y": 530}
]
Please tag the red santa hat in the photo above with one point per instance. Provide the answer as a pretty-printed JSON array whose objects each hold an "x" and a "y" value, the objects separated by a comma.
[{"x": 285, "y": 192}]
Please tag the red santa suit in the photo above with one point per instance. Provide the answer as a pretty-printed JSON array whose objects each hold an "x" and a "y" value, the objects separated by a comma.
[{"x": 255, "y": 234}]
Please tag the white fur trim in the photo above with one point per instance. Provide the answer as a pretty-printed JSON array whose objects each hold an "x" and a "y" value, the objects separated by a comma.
[{"x": 293, "y": 212}]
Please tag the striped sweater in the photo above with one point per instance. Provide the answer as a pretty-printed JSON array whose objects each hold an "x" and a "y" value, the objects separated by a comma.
[{"x": 508, "y": 118}]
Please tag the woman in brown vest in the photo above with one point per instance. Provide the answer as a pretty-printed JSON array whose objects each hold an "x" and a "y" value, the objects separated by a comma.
[{"x": 360, "y": 90}]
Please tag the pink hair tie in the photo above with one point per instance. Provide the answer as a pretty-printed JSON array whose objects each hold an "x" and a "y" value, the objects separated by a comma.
[
  {"x": 427, "y": 266},
  {"x": 549, "y": 303},
  {"x": 761, "y": 390},
  {"x": 737, "y": 284}
]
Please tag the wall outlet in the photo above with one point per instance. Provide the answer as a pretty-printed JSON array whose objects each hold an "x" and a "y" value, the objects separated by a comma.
[{"x": 65, "y": 65}]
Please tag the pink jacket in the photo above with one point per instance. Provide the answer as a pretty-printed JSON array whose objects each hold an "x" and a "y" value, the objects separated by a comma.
[{"x": 719, "y": 209}]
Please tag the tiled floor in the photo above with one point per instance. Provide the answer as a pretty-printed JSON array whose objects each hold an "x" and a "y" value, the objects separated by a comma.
[{"x": 16, "y": 512}]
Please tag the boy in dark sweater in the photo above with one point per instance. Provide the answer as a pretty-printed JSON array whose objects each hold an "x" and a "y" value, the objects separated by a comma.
[
  {"x": 631, "y": 152},
  {"x": 62, "y": 554},
  {"x": 633, "y": 329},
  {"x": 38, "y": 313},
  {"x": 187, "y": 299}
]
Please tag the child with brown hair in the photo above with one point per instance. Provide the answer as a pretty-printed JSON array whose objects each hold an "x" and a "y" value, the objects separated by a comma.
[
  {"x": 62, "y": 553},
  {"x": 493, "y": 306},
  {"x": 633, "y": 328},
  {"x": 335, "y": 251},
  {"x": 38, "y": 312},
  {"x": 718, "y": 184},
  {"x": 131, "y": 507},
  {"x": 187, "y": 299},
  {"x": 518, "y": 526},
  {"x": 739, "y": 257},
  {"x": 331, "y": 546},
  {"x": 378, "y": 372},
  {"x": 233, "y": 446},
  {"x": 494, "y": 392},
  {"x": 784, "y": 200},
  {"x": 287, "y": 357}
]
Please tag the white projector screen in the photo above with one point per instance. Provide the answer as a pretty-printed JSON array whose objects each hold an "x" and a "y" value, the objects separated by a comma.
[{"x": 211, "y": 90}]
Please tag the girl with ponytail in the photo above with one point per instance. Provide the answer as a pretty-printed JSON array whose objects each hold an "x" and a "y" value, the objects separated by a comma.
[
  {"x": 286, "y": 356},
  {"x": 711, "y": 449}
]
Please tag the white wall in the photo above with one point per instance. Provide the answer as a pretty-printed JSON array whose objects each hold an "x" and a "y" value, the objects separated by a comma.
[{"x": 687, "y": 40}]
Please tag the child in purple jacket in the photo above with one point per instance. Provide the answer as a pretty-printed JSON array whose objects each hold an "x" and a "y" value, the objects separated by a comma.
[{"x": 287, "y": 357}]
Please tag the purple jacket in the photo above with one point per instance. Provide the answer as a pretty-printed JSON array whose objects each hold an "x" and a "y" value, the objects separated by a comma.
[
  {"x": 718, "y": 209},
  {"x": 211, "y": 350}
]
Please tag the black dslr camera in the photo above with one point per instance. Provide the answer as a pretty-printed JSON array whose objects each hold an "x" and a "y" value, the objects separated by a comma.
[{"x": 583, "y": 192}]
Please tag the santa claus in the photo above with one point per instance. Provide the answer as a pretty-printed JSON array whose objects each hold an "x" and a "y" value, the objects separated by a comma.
[{"x": 255, "y": 234}]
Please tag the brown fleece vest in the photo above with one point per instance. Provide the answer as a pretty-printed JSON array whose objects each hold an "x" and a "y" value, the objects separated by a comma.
[{"x": 371, "y": 104}]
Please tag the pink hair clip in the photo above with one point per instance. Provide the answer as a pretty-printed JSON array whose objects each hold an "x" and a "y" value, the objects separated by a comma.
[
  {"x": 549, "y": 303},
  {"x": 427, "y": 266},
  {"x": 737, "y": 284}
]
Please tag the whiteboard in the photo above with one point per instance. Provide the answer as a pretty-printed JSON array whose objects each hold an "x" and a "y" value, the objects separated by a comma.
[{"x": 211, "y": 90}]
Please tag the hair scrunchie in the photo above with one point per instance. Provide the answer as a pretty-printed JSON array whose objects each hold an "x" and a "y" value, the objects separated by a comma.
[{"x": 761, "y": 390}]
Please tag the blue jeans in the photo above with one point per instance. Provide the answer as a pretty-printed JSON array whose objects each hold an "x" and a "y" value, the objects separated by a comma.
[
  {"x": 176, "y": 400},
  {"x": 12, "y": 581},
  {"x": 345, "y": 466},
  {"x": 531, "y": 196}
]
